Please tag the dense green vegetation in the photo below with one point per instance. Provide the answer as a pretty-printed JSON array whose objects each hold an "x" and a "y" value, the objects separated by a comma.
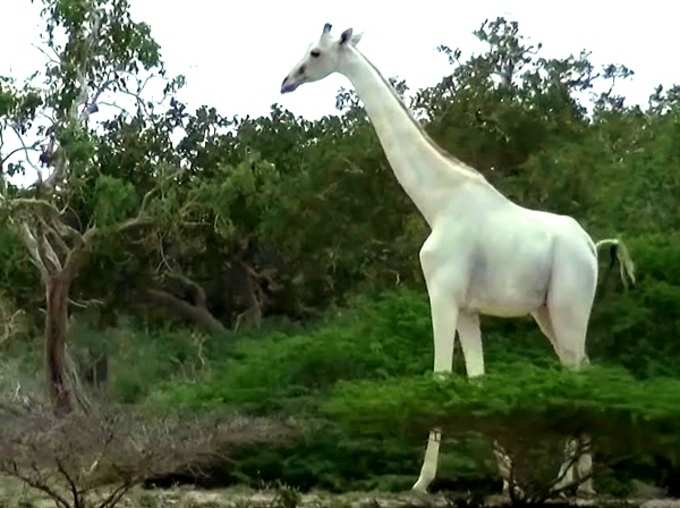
[
  {"x": 362, "y": 380},
  {"x": 268, "y": 265}
]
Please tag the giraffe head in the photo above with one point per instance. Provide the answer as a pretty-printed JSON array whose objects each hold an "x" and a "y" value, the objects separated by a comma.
[{"x": 321, "y": 58}]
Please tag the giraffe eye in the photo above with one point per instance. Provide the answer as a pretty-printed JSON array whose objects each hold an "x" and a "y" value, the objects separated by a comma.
[{"x": 315, "y": 53}]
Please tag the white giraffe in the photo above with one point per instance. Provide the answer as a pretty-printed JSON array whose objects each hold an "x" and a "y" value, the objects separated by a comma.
[{"x": 485, "y": 254}]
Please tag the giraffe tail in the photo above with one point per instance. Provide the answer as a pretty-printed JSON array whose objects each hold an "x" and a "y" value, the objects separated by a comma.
[{"x": 619, "y": 252}]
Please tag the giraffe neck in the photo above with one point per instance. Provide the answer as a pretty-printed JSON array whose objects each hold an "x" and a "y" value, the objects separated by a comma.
[{"x": 427, "y": 173}]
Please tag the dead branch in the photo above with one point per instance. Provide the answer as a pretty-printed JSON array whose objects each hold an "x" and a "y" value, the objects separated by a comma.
[
  {"x": 31, "y": 244},
  {"x": 194, "y": 313},
  {"x": 103, "y": 455},
  {"x": 49, "y": 57},
  {"x": 11, "y": 468}
]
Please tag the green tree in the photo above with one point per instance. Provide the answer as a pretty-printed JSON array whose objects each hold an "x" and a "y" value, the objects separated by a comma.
[{"x": 100, "y": 56}]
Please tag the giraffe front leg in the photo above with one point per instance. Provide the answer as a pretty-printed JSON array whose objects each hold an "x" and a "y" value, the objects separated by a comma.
[
  {"x": 428, "y": 471},
  {"x": 470, "y": 335},
  {"x": 444, "y": 319}
]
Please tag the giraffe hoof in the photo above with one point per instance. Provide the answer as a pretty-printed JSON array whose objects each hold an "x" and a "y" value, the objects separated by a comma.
[
  {"x": 424, "y": 481},
  {"x": 419, "y": 487}
]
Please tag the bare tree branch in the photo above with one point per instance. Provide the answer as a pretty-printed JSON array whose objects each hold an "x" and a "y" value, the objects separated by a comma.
[
  {"x": 81, "y": 456},
  {"x": 83, "y": 96},
  {"x": 25, "y": 148},
  {"x": 70, "y": 481},
  {"x": 100, "y": 90},
  {"x": 11, "y": 468},
  {"x": 49, "y": 57},
  {"x": 48, "y": 255},
  {"x": 55, "y": 237},
  {"x": 113, "y": 105},
  {"x": 31, "y": 245}
]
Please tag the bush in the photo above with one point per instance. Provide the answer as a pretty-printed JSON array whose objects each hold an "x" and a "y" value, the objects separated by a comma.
[
  {"x": 376, "y": 340},
  {"x": 360, "y": 382},
  {"x": 95, "y": 459},
  {"x": 138, "y": 359}
]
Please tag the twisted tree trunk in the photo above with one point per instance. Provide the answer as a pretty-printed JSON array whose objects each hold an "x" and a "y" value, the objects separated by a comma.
[{"x": 56, "y": 324}]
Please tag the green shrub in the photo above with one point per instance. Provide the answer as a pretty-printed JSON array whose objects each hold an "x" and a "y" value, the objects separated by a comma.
[{"x": 360, "y": 381}]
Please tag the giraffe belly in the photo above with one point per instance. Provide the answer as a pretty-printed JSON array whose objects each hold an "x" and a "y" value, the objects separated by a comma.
[
  {"x": 515, "y": 304},
  {"x": 511, "y": 290},
  {"x": 503, "y": 310}
]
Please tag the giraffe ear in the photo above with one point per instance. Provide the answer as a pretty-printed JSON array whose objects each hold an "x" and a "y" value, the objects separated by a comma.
[
  {"x": 348, "y": 36},
  {"x": 327, "y": 28}
]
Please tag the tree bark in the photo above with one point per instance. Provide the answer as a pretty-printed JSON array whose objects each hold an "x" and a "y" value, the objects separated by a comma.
[
  {"x": 252, "y": 295},
  {"x": 244, "y": 297},
  {"x": 56, "y": 324}
]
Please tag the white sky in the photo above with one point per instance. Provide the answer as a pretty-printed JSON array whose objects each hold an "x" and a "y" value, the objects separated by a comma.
[{"x": 234, "y": 58}]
